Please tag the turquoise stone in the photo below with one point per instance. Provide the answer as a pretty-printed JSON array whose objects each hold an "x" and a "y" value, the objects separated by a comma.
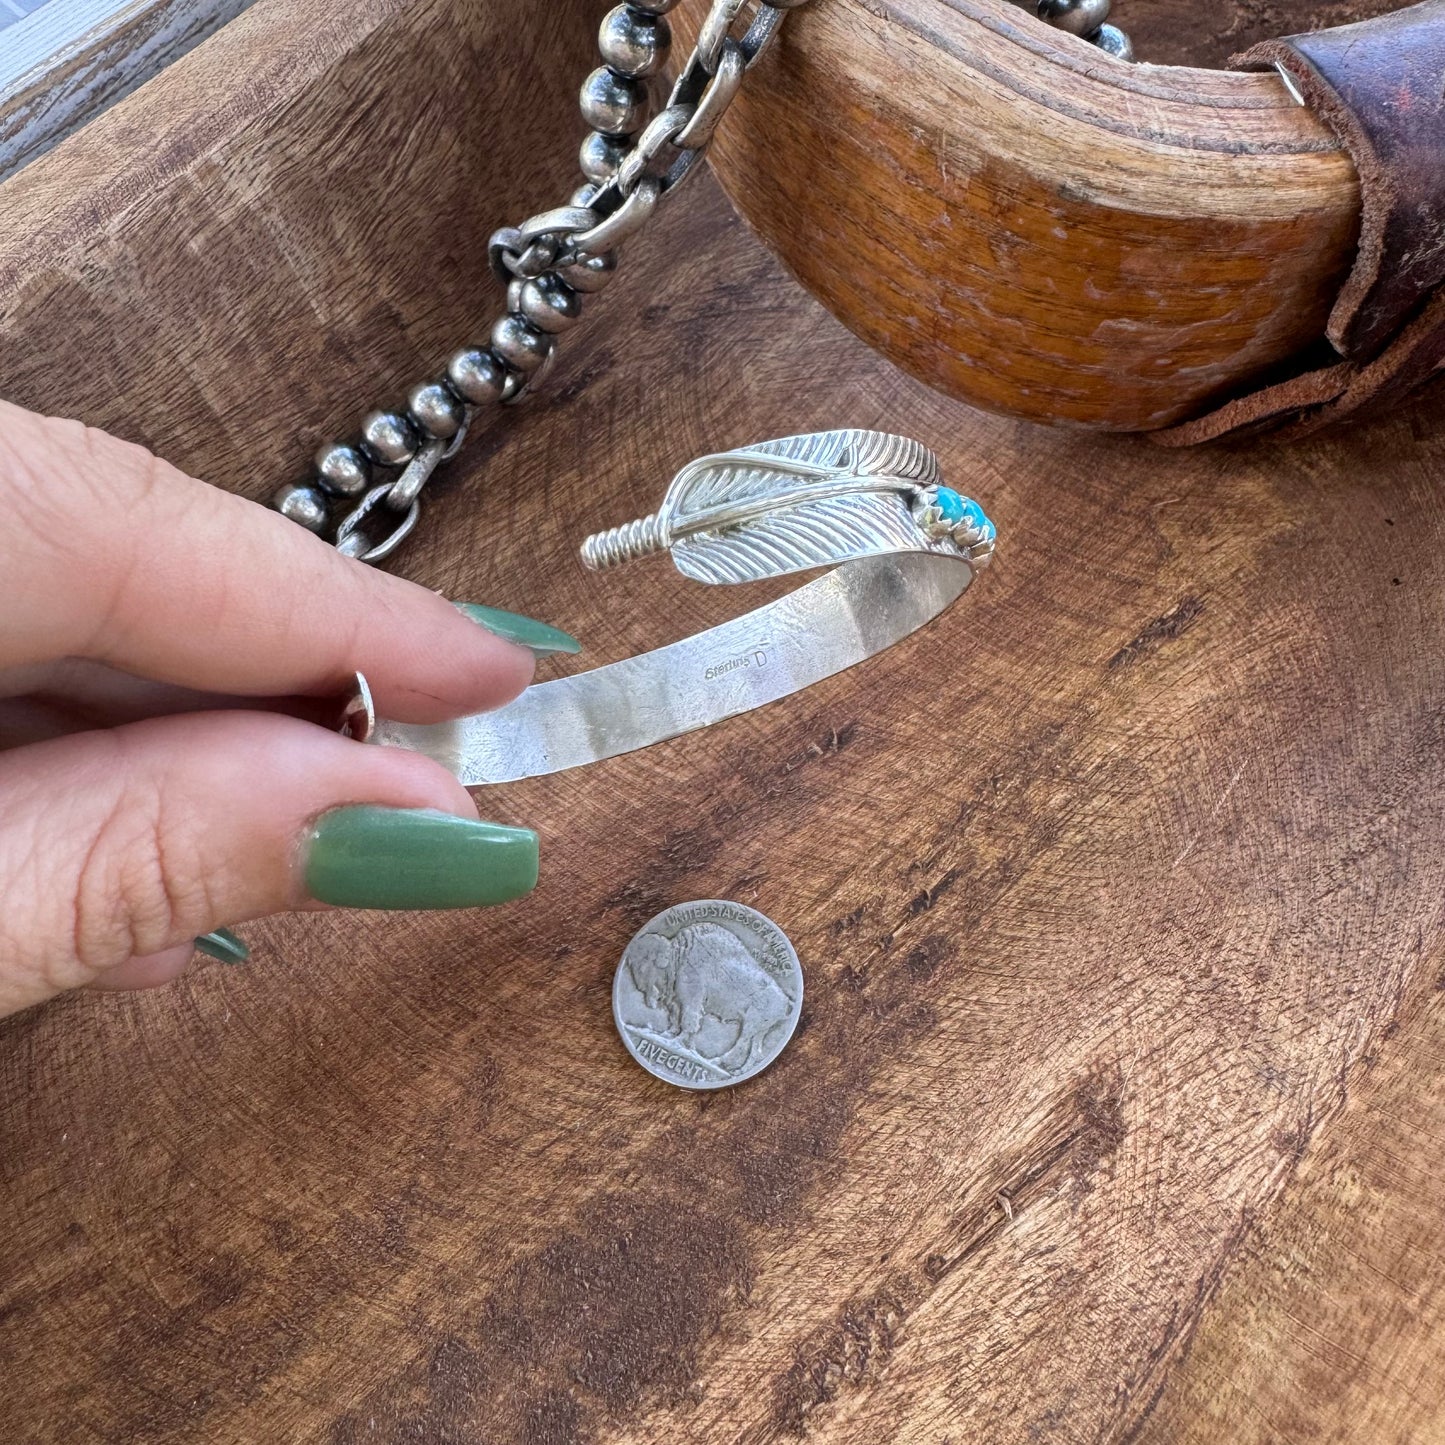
[
  {"x": 972, "y": 513},
  {"x": 951, "y": 506}
]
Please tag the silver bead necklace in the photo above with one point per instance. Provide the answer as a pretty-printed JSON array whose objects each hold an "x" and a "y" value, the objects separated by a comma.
[
  {"x": 365, "y": 496},
  {"x": 1088, "y": 19}
]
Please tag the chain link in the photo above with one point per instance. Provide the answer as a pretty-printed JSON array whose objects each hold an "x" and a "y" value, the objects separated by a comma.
[{"x": 366, "y": 496}]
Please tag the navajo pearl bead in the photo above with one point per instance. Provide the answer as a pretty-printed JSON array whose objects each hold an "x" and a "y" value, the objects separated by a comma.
[
  {"x": 520, "y": 344},
  {"x": 592, "y": 274},
  {"x": 601, "y": 155},
  {"x": 476, "y": 376},
  {"x": 342, "y": 470},
  {"x": 388, "y": 438},
  {"x": 303, "y": 504},
  {"x": 435, "y": 410},
  {"x": 612, "y": 103},
  {"x": 634, "y": 43},
  {"x": 1078, "y": 17},
  {"x": 1112, "y": 41},
  {"x": 549, "y": 303}
]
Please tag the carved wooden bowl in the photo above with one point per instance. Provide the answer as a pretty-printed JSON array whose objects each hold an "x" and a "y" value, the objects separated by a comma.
[{"x": 1034, "y": 227}]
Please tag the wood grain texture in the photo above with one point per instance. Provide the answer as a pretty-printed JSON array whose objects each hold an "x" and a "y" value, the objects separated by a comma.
[
  {"x": 277, "y": 175},
  {"x": 1117, "y": 889},
  {"x": 1328, "y": 1323},
  {"x": 1031, "y": 226},
  {"x": 69, "y": 61}
]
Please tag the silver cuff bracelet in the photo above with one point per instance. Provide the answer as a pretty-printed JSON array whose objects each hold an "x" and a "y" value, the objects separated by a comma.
[{"x": 868, "y": 504}]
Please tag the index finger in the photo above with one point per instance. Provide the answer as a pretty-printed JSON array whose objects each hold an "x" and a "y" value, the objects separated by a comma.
[{"x": 113, "y": 554}]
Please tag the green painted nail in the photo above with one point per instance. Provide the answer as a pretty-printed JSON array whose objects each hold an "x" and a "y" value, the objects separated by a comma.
[
  {"x": 370, "y": 857},
  {"x": 224, "y": 946},
  {"x": 513, "y": 627}
]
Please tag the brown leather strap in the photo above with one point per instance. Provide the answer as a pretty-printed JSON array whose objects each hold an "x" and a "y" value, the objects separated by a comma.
[{"x": 1380, "y": 86}]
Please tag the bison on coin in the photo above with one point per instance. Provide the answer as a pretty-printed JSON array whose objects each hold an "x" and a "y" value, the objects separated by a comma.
[{"x": 706, "y": 972}]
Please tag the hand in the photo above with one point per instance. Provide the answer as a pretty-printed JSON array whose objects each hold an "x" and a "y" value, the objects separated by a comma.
[{"x": 142, "y": 802}]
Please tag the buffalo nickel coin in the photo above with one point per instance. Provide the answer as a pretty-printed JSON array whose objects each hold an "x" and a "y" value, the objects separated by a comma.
[{"x": 707, "y": 994}]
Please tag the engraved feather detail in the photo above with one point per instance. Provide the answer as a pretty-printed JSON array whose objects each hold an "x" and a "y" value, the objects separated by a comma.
[
  {"x": 785, "y": 506},
  {"x": 770, "y": 468},
  {"x": 800, "y": 503},
  {"x": 813, "y": 534}
]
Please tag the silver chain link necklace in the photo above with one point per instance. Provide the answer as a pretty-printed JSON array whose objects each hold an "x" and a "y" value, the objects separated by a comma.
[
  {"x": 366, "y": 495},
  {"x": 870, "y": 507}
]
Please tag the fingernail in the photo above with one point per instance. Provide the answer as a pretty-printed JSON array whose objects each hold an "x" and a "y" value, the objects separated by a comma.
[
  {"x": 223, "y": 945},
  {"x": 513, "y": 627},
  {"x": 369, "y": 857}
]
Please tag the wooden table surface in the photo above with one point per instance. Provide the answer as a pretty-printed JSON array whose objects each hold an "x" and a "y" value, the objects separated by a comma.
[{"x": 1116, "y": 1106}]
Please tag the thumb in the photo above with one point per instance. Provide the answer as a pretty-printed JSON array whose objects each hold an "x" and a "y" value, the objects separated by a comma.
[{"x": 119, "y": 847}]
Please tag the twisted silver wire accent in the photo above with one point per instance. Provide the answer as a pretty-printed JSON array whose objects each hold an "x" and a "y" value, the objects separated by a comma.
[{"x": 625, "y": 543}]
